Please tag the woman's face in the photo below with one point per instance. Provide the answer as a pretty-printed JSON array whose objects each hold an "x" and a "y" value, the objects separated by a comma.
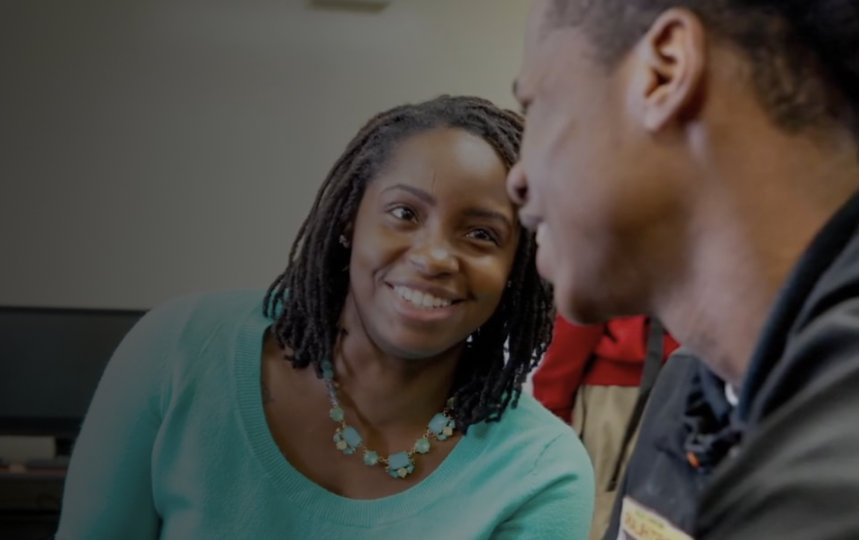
[{"x": 433, "y": 243}]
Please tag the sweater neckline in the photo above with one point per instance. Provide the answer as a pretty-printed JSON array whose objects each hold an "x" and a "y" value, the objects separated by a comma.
[{"x": 295, "y": 486}]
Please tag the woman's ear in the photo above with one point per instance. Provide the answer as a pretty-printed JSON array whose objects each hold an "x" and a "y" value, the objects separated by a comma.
[{"x": 346, "y": 236}]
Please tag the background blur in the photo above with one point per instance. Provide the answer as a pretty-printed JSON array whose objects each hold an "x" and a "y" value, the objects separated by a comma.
[{"x": 150, "y": 149}]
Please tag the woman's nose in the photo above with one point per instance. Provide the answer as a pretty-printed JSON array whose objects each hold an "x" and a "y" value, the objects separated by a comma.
[{"x": 433, "y": 259}]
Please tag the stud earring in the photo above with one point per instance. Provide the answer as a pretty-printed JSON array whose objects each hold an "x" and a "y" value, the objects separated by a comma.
[{"x": 344, "y": 241}]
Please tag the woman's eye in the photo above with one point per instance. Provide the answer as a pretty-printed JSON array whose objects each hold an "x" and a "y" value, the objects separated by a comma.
[
  {"x": 404, "y": 213},
  {"x": 483, "y": 235}
]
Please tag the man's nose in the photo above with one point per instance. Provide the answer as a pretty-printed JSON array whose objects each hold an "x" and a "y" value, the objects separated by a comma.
[{"x": 517, "y": 184}]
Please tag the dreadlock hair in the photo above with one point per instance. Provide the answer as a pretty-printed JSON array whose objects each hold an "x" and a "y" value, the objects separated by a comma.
[
  {"x": 308, "y": 297},
  {"x": 804, "y": 54}
]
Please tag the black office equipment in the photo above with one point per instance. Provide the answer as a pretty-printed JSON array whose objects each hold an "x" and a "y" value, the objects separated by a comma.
[{"x": 51, "y": 360}]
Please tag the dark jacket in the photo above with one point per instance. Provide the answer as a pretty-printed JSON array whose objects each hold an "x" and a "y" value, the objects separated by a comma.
[
  {"x": 795, "y": 475},
  {"x": 685, "y": 432}
]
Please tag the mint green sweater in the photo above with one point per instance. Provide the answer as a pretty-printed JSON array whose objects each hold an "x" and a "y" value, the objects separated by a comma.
[{"x": 176, "y": 445}]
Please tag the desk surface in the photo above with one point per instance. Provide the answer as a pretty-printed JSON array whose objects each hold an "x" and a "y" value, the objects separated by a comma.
[{"x": 31, "y": 491}]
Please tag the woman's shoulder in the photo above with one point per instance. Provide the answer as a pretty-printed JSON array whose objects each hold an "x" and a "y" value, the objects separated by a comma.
[
  {"x": 531, "y": 449},
  {"x": 212, "y": 302},
  {"x": 175, "y": 342},
  {"x": 533, "y": 433},
  {"x": 529, "y": 415},
  {"x": 199, "y": 313},
  {"x": 178, "y": 330}
]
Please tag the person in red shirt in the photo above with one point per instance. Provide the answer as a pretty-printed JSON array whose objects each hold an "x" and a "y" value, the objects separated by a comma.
[{"x": 590, "y": 378}]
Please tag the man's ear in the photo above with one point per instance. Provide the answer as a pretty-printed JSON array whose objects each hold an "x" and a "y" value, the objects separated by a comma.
[{"x": 668, "y": 66}]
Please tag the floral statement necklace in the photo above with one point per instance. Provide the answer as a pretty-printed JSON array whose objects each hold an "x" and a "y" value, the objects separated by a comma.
[{"x": 400, "y": 464}]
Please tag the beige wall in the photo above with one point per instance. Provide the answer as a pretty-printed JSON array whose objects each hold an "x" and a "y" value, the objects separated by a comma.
[{"x": 155, "y": 148}]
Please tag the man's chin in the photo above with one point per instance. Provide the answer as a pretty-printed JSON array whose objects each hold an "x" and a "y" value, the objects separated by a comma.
[
  {"x": 577, "y": 309},
  {"x": 544, "y": 266}
]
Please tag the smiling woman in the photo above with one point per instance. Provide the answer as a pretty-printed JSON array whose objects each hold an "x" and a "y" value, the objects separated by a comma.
[
  {"x": 374, "y": 391},
  {"x": 435, "y": 229}
]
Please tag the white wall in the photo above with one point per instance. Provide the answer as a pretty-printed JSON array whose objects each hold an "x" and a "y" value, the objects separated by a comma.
[{"x": 149, "y": 149}]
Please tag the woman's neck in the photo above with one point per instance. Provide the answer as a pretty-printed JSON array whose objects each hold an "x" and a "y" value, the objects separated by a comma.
[{"x": 387, "y": 392}]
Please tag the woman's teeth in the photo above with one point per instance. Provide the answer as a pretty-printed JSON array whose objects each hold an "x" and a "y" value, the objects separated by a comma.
[{"x": 421, "y": 299}]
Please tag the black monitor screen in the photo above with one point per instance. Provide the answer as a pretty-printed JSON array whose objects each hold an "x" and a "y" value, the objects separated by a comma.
[{"x": 51, "y": 360}]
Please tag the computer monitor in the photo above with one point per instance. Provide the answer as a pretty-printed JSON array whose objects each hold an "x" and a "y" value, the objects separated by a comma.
[{"x": 51, "y": 360}]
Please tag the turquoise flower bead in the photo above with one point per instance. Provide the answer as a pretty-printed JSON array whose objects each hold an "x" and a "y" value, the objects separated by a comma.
[
  {"x": 422, "y": 446},
  {"x": 351, "y": 436},
  {"x": 341, "y": 444},
  {"x": 400, "y": 465},
  {"x": 327, "y": 370},
  {"x": 437, "y": 423},
  {"x": 336, "y": 414},
  {"x": 347, "y": 440},
  {"x": 441, "y": 426},
  {"x": 371, "y": 458}
]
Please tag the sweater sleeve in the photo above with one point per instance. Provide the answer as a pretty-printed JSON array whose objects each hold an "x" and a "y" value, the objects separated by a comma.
[
  {"x": 563, "y": 507},
  {"x": 560, "y": 373},
  {"x": 108, "y": 489}
]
